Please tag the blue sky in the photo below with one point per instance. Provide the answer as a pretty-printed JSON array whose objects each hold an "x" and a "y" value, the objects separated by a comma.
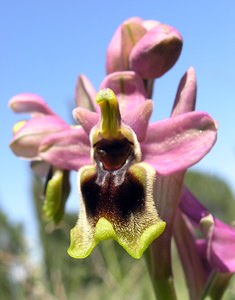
[{"x": 45, "y": 45}]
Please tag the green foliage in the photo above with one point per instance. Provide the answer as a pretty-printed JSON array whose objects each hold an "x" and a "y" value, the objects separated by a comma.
[
  {"x": 12, "y": 251},
  {"x": 11, "y": 236}
]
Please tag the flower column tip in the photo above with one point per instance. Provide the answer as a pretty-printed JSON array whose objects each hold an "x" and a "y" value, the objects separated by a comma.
[{"x": 110, "y": 114}]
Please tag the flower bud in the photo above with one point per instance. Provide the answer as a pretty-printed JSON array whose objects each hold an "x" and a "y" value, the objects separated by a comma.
[{"x": 156, "y": 52}]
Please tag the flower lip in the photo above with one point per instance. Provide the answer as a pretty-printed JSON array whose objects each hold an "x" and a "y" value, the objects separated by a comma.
[
  {"x": 113, "y": 154},
  {"x": 117, "y": 205},
  {"x": 117, "y": 197}
]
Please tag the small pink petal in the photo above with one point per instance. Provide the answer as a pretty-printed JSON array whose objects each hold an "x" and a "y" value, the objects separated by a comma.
[
  {"x": 138, "y": 118},
  {"x": 85, "y": 94},
  {"x": 221, "y": 245},
  {"x": 191, "y": 207},
  {"x": 27, "y": 139},
  {"x": 156, "y": 52},
  {"x": 185, "y": 99},
  {"x": 68, "y": 150},
  {"x": 128, "y": 87},
  {"x": 29, "y": 103},
  {"x": 124, "y": 38},
  {"x": 175, "y": 144},
  {"x": 86, "y": 118}
]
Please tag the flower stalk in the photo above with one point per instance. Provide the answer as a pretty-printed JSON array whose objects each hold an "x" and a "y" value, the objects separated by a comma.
[
  {"x": 216, "y": 286},
  {"x": 191, "y": 262},
  {"x": 168, "y": 189}
]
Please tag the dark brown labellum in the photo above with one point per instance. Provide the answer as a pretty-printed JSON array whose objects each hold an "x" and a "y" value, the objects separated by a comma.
[{"x": 114, "y": 202}]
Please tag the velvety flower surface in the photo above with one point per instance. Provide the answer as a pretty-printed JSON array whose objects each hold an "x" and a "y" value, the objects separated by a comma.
[{"x": 218, "y": 242}]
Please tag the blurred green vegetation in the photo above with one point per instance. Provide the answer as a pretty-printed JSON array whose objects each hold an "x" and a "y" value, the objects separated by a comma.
[
  {"x": 13, "y": 260},
  {"x": 109, "y": 273}
]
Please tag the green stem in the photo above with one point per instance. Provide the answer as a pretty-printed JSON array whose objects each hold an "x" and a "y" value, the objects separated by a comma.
[
  {"x": 164, "y": 289},
  {"x": 161, "y": 276},
  {"x": 191, "y": 262},
  {"x": 216, "y": 286},
  {"x": 161, "y": 268},
  {"x": 110, "y": 256},
  {"x": 167, "y": 194}
]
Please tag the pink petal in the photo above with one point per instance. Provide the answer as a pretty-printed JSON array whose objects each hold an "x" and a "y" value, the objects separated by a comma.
[
  {"x": 191, "y": 207},
  {"x": 192, "y": 256},
  {"x": 86, "y": 118},
  {"x": 175, "y": 144},
  {"x": 221, "y": 247},
  {"x": 29, "y": 103},
  {"x": 201, "y": 246},
  {"x": 85, "y": 94},
  {"x": 138, "y": 118},
  {"x": 156, "y": 52},
  {"x": 219, "y": 238},
  {"x": 128, "y": 87},
  {"x": 125, "y": 37},
  {"x": 185, "y": 99},
  {"x": 27, "y": 139},
  {"x": 68, "y": 150}
]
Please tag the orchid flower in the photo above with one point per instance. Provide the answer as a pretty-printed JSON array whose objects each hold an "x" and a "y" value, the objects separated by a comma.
[
  {"x": 122, "y": 141},
  {"x": 28, "y": 134},
  {"x": 116, "y": 149},
  {"x": 131, "y": 172},
  {"x": 212, "y": 250},
  {"x": 27, "y": 137},
  {"x": 218, "y": 238}
]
